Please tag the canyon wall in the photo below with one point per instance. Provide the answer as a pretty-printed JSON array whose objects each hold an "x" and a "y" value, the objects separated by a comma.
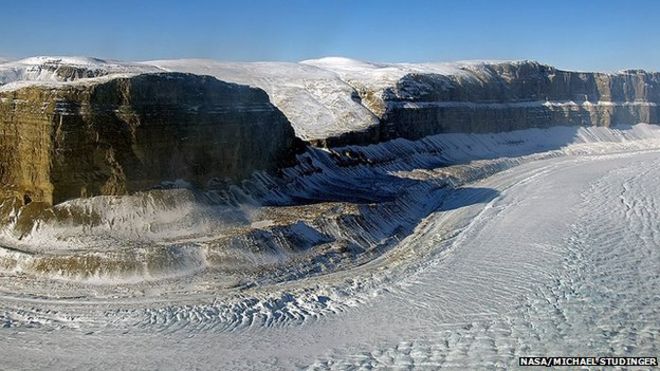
[
  {"x": 496, "y": 97},
  {"x": 77, "y": 127},
  {"x": 125, "y": 134}
]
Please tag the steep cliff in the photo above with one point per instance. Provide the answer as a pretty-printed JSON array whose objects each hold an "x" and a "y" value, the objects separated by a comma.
[
  {"x": 119, "y": 135},
  {"x": 416, "y": 100},
  {"x": 317, "y": 102}
]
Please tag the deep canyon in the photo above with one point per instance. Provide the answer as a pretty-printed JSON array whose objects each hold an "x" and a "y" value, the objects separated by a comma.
[{"x": 301, "y": 204}]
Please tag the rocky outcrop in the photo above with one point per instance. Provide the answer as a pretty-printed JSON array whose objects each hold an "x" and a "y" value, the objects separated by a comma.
[
  {"x": 127, "y": 134},
  {"x": 515, "y": 96},
  {"x": 413, "y": 101}
]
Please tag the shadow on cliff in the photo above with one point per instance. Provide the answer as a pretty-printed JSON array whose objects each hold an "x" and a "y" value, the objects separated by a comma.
[
  {"x": 388, "y": 205},
  {"x": 466, "y": 196},
  {"x": 368, "y": 174}
]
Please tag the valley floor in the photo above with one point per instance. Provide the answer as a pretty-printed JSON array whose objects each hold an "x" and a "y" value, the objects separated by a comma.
[{"x": 558, "y": 256}]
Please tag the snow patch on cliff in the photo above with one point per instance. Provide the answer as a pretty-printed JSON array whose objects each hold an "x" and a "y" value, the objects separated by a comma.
[
  {"x": 379, "y": 76},
  {"x": 53, "y": 71},
  {"x": 318, "y": 103}
]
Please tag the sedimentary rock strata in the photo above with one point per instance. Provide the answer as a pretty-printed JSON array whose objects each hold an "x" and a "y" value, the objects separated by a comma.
[{"x": 126, "y": 134}]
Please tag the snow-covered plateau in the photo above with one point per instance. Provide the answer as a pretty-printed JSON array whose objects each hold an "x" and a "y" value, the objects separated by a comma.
[{"x": 463, "y": 226}]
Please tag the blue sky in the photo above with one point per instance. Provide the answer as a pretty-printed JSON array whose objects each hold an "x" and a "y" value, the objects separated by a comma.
[{"x": 583, "y": 35}]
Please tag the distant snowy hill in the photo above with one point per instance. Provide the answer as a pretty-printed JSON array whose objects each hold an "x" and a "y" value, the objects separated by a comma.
[{"x": 54, "y": 70}]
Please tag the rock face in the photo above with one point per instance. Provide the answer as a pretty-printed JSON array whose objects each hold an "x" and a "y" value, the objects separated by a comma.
[
  {"x": 517, "y": 96},
  {"x": 317, "y": 102},
  {"x": 413, "y": 101},
  {"x": 127, "y": 134}
]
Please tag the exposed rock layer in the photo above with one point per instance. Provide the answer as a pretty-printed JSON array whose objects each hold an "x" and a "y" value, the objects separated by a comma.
[
  {"x": 132, "y": 133},
  {"x": 495, "y": 97}
]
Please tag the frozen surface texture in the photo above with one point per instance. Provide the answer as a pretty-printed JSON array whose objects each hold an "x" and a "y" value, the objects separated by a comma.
[{"x": 55, "y": 71}]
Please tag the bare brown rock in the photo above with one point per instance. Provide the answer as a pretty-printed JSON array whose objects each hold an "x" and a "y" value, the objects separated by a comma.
[
  {"x": 132, "y": 133},
  {"x": 514, "y": 96}
]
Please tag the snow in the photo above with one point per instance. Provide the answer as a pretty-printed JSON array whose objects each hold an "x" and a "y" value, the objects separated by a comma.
[
  {"x": 386, "y": 74},
  {"x": 379, "y": 76},
  {"x": 508, "y": 105},
  {"x": 43, "y": 70},
  {"x": 317, "y": 103}
]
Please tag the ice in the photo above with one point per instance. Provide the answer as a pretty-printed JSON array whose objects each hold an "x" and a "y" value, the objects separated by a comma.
[
  {"x": 46, "y": 70},
  {"x": 317, "y": 102}
]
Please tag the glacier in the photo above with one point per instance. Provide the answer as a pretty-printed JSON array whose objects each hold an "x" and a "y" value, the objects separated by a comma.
[{"x": 456, "y": 250}]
